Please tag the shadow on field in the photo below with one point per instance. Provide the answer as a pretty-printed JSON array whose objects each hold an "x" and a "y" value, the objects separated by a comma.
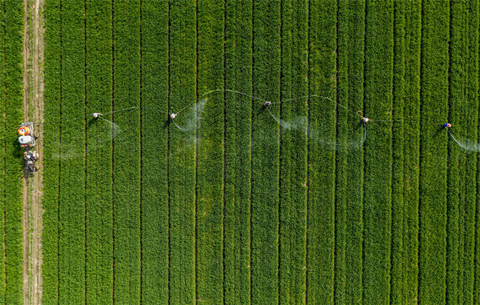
[{"x": 439, "y": 130}]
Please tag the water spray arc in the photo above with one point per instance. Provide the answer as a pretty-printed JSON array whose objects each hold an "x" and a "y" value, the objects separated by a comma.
[{"x": 186, "y": 118}]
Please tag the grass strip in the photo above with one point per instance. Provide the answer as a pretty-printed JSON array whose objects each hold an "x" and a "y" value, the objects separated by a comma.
[
  {"x": 378, "y": 170},
  {"x": 181, "y": 172},
  {"x": 154, "y": 211},
  {"x": 265, "y": 152},
  {"x": 210, "y": 153},
  {"x": 53, "y": 99},
  {"x": 349, "y": 163},
  {"x": 293, "y": 152},
  {"x": 13, "y": 86},
  {"x": 72, "y": 162},
  {"x": 238, "y": 113},
  {"x": 99, "y": 218},
  {"x": 433, "y": 172},
  {"x": 126, "y": 152}
]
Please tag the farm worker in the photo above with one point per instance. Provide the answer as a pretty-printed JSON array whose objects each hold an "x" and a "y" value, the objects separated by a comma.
[
  {"x": 173, "y": 116},
  {"x": 267, "y": 103},
  {"x": 365, "y": 120},
  {"x": 447, "y": 125},
  {"x": 96, "y": 114},
  {"x": 30, "y": 156}
]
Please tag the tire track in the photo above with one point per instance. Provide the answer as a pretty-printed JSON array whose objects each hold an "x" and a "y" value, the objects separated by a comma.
[
  {"x": 34, "y": 110},
  {"x": 39, "y": 110}
]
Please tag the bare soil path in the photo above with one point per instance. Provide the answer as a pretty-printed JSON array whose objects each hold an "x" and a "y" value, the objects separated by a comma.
[{"x": 34, "y": 110}]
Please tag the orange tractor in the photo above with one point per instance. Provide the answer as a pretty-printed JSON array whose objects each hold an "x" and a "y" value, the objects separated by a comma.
[{"x": 26, "y": 139}]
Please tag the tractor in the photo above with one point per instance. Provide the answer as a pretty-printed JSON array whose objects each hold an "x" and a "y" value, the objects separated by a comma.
[{"x": 26, "y": 140}]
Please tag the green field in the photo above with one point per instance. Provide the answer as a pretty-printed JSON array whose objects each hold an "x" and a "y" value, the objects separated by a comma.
[
  {"x": 11, "y": 157},
  {"x": 235, "y": 202}
]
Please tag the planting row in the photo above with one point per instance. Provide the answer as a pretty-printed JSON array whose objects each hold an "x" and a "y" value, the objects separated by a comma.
[{"x": 11, "y": 157}]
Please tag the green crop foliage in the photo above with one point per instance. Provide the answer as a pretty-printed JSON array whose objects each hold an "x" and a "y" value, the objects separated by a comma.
[
  {"x": 181, "y": 156},
  {"x": 455, "y": 203},
  {"x": 463, "y": 108},
  {"x": 98, "y": 205},
  {"x": 265, "y": 154},
  {"x": 398, "y": 218},
  {"x": 71, "y": 245},
  {"x": 210, "y": 154},
  {"x": 3, "y": 141},
  {"x": 53, "y": 99},
  {"x": 378, "y": 171},
  {"x": 349, "y": 163},
  {"x": 322, "y": 36},
  {"x": 126, "y": 157},
  {"x": 224, "y": 204},
  {"x": 406, "y": 102},
  {"x": 472, "y": 10},
  {"x": 155, "y": 214},
  {"x": 411, "y": 152},
  {"x": 238, "y": 113},
  {"x": 11, "y": 98},
  {"x": 433, "y": 171},
  {"x": 293, "y": 149}
]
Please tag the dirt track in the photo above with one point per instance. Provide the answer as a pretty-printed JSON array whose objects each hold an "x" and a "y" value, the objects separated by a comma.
[{"x": 32, "y": 185}]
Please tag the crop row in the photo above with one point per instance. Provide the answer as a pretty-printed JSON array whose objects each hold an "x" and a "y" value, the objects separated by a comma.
[
  {"x": 3, "y": 140},
  {"x": 320, "y": 207},
  {"x": 237, "y": 216},
  {"x": 378, "y": 154},
  {"x": 471, "y": 273},
  {"x": 98, "y": 188},
  {"x": 71, "y": 210},
  {"x": 210, "y": 154},
  {"x": 265, "y": 154},
  {"x": 398, "y": 214},
  {"x": 126, "y": 158},
  {"x": 411, "y": 151},
  {"x": 155, "y": 219},
  {"x": 11, "y": 161},
  {"x": 181, "y": 155},
  {"x": 404, "y": 257},
  {"x": 349, "y": 163},
  {"x": 51, "y": 131},
  {"x": 293, "y": 149},
  {"x": 461, "y": 198},
  {"x": 433, "y": 184}
]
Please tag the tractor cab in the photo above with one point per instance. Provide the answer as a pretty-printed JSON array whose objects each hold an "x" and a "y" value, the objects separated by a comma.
[{"x": 26, "y": 137}]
